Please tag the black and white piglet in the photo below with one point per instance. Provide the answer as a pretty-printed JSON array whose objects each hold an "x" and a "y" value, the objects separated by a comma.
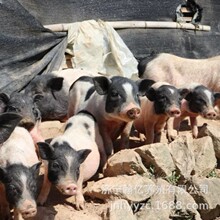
[
  {"x": 200, "y": 101},
  {"x": 73, "y": 157},
  {"x": 113, "y": 101},
  {"x": 19, "y": 169},
  {"x": 162, "y": 101}
]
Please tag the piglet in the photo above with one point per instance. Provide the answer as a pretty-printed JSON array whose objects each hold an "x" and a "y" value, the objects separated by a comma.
[
  {"x": 54, "y": 89},
  {"x": 73, "y": 157},
  {"x": 19, "y": 169},
  {"x": 162, "y": 101},
  {"x": 25, "y": 106},
  {"x": 114, "y": 101},
  {"x": 200, "y": 101}
]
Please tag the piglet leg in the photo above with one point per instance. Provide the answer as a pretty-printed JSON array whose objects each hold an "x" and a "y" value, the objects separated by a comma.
[
  {"x": 17, "y": 215},
  {"x": 45, "y": 187},
  {"x": 36, "y": 133},
  {"x": 194, "y": 127},
  {"x": 108, "y": 145},
  {"x": 124, "y": 142},
  {"x": 80, "y": 201}
]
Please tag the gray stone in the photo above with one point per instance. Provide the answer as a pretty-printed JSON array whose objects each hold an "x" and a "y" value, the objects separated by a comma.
[
  {"x": 206, "y": 193},
  {"x": 169, "y": 201},
  {"x": 214, "y": 132},
  {"x": 182, "y": 153},
  {"x": 205, "y": 160},
  {"x": 125, "y": 162},
  {"x": 120, "y": 210},
  {"x": 158, "y": 156},
  {"x": 133, "y": 188}
]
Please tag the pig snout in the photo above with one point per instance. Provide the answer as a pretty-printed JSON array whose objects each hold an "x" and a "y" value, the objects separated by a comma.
[
  {"x": 29, "y": 210},
  {"x": 174, "y": 112},
  {"x": 27, "y": 123},
  {"x": 133, "y": 113},
  {"x": 211, "y": 114},
  {"x": 69, "y": 189}
]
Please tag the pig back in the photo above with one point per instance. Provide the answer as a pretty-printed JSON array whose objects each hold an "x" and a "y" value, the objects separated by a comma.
[{"x": 19, "y": 148}]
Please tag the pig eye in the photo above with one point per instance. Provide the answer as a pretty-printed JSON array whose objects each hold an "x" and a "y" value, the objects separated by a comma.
[
  {"x": 56, "y": 166},
  {"x": 12, "y": 109},
  {"x": 114, "y": 94},
  {"x": 13, "y": 189}
]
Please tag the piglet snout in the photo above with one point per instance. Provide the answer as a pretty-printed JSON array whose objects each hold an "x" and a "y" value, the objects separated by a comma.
[
  {"x": 174, "y": 112},
  {"x": 29, "y": 211},
  {"x": 210, "y": 114},
  {"x": 69, "y": 189},
  {"x": 133, "y": 113}
]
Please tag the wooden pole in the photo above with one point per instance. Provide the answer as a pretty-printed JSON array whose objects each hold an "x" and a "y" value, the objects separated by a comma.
[{"x": 139, "y": 24}]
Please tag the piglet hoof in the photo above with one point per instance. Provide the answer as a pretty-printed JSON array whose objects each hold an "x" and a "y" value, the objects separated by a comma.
[
  {"x": 142, "y": 137},
  {"x": 80, "y": 203},
  {"x": 172, "y": 135},
  {"x": 195, "y": 135}
]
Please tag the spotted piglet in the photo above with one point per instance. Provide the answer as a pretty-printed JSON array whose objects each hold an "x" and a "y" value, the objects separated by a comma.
[
  {"x": 200, "y": 101},
  {"x": 19, "y": 169},
  {"x": 73, "y": 157},
  {"x": 162, "y": 101},
  {"x": 114, "y": 101}
]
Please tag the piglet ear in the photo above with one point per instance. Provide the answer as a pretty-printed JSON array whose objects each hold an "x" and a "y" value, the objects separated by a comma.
[
  {"x": 2, "y": 174},
  {"x": 8, "y": 122},
  {"x": 46, "y": 151},
  {"x": 183, "y": 92},
  {"x": 4, "y": 99},
  {"x": 36, "y": 168},
  {"x": 144, "y": 85},
  {"x": 151, "y": 94},
  {"x": 82, "y": 154},
  {"x": 101, "y": 84},
  {"x": 55, "y": 83}
]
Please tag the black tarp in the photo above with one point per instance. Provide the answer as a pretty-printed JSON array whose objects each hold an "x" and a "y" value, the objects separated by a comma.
[{"x": 27, "y": 49}]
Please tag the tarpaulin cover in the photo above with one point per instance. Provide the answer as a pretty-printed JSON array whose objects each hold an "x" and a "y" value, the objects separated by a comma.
[{"x": 27, "y": 49}]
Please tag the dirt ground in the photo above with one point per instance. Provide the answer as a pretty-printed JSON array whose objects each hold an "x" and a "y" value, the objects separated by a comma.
[{"x": 60, "y": 207}]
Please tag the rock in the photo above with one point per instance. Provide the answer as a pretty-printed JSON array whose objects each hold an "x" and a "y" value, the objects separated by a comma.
[
  {"x": 214, "y": 133},
  {"x": 158, "y": 156},
  {"x": 206, "y": 193},
  {"x": 205, "y": 160},
  {"x": 182, "y": 153},
  {"x": 125, "y": 162},
  {"x": 169, "y": 202},
  {"x": 133, "y": 188},
  {"x": 120, "y": 210}
]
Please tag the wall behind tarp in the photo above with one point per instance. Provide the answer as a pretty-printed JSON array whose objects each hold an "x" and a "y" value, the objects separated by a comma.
[
  {"x": 27, "y": 49},
  {"x": 141, "y": 42}
]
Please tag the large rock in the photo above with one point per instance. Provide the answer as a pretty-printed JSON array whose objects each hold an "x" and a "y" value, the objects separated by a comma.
[
  {"x": 205, "y": 160},
  {"x": 158, "y": 156},
  {"x": 169, "y": 202},
  {"x": 133, "y": 188},
  {"x": 214, "y": 132},
  {"x": 125, "y": 162},
  {"x": 182, "y": 153},
  {"x": 120, "y": 210},
  {"x": 207, "y": 195}
]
